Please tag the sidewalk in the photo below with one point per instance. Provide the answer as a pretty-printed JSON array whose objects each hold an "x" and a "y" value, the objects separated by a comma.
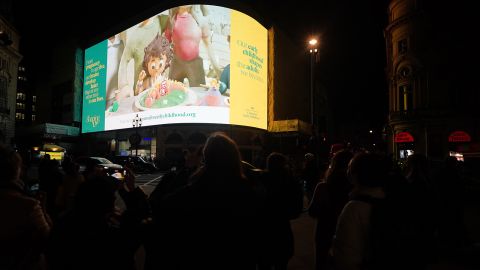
[{"x": 304, "y": 235}]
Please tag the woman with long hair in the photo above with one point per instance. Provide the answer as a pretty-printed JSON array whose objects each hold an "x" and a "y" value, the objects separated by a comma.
[
  {"x": 284, "y": 202},
  {"x": 328, "y": 200},
  {"x": 211, "y": 222}
]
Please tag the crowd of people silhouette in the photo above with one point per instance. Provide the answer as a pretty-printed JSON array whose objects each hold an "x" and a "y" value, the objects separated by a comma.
[{"x": 215, "y": 213}]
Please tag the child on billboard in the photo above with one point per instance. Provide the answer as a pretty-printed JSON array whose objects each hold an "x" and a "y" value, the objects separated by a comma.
[
  {"x": 136, "y": 39},
  {"x": 162, "y": 91},
  {"x": 157, "y": 59}
]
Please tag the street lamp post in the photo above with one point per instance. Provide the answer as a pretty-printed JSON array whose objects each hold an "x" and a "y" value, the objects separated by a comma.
[
  {"x": 313, "y": 52},
  {"x": 136, "y": 123}
]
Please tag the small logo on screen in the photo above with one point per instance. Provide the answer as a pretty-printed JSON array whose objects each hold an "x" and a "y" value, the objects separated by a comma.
[{"x": 94, "y": 120}]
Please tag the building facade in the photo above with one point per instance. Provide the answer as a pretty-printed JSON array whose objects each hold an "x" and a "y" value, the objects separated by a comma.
[
  {"x": 9, "y": 60},
  {"x": 26, "y": 101},
  {"x": 45, "y": 103},
  {"x": 430, "y": 94}
]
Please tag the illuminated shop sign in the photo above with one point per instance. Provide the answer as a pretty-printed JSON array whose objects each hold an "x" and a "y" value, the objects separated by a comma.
[
  {"x": 403, "y": 137},
  {"x": 459, "y": 136}
]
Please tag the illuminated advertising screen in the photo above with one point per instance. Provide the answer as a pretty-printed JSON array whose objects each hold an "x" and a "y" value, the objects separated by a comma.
[{"x": 188, "y": 64}]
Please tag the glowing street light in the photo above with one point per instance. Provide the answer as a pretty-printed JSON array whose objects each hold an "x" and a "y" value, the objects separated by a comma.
[{"x": 312, "y": 44}]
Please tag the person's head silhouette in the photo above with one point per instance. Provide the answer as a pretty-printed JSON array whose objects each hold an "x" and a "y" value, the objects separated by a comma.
[{"x": 221, "y": 155}]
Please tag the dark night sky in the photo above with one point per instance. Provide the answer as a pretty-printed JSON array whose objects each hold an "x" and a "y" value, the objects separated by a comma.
[{"x": 352, "y": 54}]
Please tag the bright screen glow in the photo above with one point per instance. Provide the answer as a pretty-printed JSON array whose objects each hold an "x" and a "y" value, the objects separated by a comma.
[{"x": 189, "y": 64}]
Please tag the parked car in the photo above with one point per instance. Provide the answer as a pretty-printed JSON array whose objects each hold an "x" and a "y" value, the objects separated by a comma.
[
  {"x": 112, "y": 169},
  {"x": 137, "y": 164}
]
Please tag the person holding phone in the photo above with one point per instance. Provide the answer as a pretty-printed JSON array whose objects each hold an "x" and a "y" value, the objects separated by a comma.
[
  {"x": 94, "y": 234},
  {"x": 25, "y": 225}
]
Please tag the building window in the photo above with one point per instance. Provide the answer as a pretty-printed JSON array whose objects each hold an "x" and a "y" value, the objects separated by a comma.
[
  {"x": 405, "y": 97},
  {"x": 402, "y": 46},
  {"x": 3, "y": 93},
  {"x": 33, "y": 117},
  {"x": 34, "y": 99},
  {"x": 33, "y": 108},
  {"x": 18, "y": 116},
  {"x": 3, "y": 63},
  {"x": 23, "y": 116}
]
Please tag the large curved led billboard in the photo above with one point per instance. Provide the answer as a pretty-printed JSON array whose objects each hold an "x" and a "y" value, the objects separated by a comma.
[{"x": 188, "y": 64}]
